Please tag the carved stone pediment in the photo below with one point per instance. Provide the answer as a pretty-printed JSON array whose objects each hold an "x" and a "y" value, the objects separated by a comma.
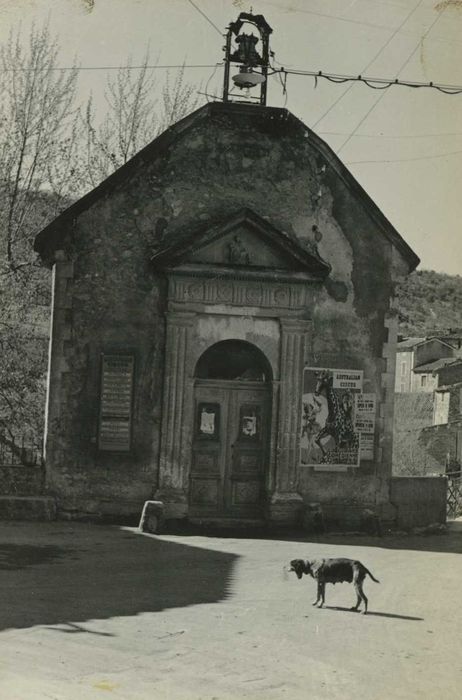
[{"x": 246, "y": 246}]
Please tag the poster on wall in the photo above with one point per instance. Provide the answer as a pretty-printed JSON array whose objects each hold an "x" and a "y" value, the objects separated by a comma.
[
  {"x": 329, "y": 433},
  {"x": 365, "y": 408}
]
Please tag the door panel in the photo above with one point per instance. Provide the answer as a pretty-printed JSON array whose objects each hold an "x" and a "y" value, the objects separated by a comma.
[
  {"x": 206, "y": 489},
  {"x": 230, "y": 452},
  {"x": 248, "y": 426}
]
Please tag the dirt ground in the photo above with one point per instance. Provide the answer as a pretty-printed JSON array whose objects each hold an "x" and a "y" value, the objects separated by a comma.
[{"x": 98, "y": 612}]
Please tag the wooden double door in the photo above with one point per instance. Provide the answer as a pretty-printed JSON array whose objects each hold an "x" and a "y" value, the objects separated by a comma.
[{"x": 230, "y": 448}]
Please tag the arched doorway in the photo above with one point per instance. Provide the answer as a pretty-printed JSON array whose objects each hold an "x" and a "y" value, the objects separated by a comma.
[{"x": 232, "y": 414}]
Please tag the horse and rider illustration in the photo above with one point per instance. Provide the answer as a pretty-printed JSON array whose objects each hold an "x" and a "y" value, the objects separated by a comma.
[{"x": 328, "y": 434}]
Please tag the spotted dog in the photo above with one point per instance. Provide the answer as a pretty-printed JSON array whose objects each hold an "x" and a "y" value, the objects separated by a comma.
[{"x": 334, "y": 571}]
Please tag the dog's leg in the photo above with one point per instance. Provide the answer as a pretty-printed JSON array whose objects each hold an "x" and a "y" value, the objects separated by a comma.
[
  {"x": 358, "y": 599},
  {"x": 360, "y": 596},
  {"x": 318, "y": 594},
  {"x": 323, "y": 588}
]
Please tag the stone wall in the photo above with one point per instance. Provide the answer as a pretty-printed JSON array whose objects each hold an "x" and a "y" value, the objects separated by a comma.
[
  {"x": 109, "y": 299},
  {"x": 21, "y": 480},
  {"x": 413, "y": 414},
  {"x": 443, "y": 444},
  {"x": 419, "y": 501}
]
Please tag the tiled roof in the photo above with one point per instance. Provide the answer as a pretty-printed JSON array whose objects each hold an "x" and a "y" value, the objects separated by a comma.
[
  {"x": 434, "y": 365},
  {"x": 409, "y": 343}
]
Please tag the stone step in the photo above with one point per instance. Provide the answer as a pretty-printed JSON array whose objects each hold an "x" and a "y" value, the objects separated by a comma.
[
  {"x": 27, "y": 508},
  {"x": 237, "y": 524}
]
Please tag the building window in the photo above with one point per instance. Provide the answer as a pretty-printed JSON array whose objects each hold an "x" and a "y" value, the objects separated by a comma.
[
  {"x": 403, "y": 368},
  {"x": 423, "y": 380}
]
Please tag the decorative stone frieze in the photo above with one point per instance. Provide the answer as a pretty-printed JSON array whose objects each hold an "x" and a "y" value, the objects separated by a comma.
[{"x": 237, "y": 292}]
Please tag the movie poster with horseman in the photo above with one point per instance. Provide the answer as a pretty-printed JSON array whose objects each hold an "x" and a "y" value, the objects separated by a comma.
[{"x": 329, "y": 435}]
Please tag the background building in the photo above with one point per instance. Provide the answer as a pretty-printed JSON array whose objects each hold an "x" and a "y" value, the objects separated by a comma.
[{"x": 416, "y": 360}]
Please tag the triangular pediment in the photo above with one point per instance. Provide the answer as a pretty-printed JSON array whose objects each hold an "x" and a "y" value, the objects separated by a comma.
[{"x": 244, "y": 244}]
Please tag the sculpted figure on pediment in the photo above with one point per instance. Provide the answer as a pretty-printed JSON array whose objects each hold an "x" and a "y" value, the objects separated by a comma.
[{"x": 237, "y": 252}]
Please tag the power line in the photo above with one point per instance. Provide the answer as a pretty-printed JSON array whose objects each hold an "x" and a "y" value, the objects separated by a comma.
[
  {"x": 369, "y": 111},
  {"x": 405, "y": 160},
  {"x": 327, "y": 16},
  {"x": 358, "y": 22},
  {"x": 79, "y": 68},
  {"x": 375, "y": 83},
  {"x": 205, "y": 17},
  {"x": 385, "y": 136},
  {"x": 387, "y": 43}
]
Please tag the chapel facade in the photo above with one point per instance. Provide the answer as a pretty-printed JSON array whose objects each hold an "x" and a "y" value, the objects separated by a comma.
[{"x": 223, "y": 329}]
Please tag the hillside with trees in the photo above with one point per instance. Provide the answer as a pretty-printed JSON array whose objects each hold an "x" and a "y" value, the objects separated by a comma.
[{"x": 429, "y": 302}]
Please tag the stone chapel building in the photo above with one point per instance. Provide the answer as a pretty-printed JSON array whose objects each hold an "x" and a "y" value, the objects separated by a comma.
[{"x": 223, "y": 331}]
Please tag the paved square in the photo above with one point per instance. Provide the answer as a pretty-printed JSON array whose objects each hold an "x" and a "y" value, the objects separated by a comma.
[{"x": 94, "y": 612}]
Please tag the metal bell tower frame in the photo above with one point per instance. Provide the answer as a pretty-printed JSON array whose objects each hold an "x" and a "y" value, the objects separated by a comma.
[{"x": 240, "y": 48}]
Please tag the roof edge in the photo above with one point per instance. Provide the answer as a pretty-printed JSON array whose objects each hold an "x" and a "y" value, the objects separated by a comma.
[{"x": 45, "y": 239}]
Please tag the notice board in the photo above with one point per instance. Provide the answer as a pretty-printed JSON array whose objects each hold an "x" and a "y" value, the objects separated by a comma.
[{"x": 115, "y": 419}]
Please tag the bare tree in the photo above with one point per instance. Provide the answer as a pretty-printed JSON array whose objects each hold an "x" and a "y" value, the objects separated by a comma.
[
  {"x": 37, "y": 131},
  {"x": 137, "y": 110},
  {"x": 38, "y": 140},
  {"x": 48, "y": 155}
]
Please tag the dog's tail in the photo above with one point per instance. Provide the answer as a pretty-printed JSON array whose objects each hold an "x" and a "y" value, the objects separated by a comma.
[{"x": 372, "y": 577}]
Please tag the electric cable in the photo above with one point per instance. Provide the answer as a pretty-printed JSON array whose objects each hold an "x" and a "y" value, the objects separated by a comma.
[
  {"x": 374, "y": 83},
  {"x": 369, "y": 64},
  {"x": 405, "y": 160},
  {"x": 205, "y": 17},
  {"x": 371, "y": 109}
]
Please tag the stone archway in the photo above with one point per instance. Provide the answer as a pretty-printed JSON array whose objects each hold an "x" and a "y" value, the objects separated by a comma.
[{"x": 231, "y": 433}]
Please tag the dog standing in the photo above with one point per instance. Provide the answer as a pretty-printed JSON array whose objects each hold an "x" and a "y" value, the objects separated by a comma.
[{"x": 334, "y": 571}]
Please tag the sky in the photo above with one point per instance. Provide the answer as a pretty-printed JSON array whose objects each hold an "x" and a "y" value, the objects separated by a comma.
[{"x": 403, "y": 145}]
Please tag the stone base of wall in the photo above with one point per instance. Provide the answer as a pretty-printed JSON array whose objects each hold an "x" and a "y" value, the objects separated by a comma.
[
  {"x": 175, "y": 502},
  {"x": 285, "y": 509},
  {"x": 27, "y": 508},
  {"x": 365, "y": 519},
  {"x": 419, "y": 500},
  {"x": 414, "y": 502},
  {"x": 100, "y": 510}
]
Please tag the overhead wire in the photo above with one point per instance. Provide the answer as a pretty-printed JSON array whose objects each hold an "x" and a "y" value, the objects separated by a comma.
[
  {"x": 369, "y": 64},
  {"x": 374, "y": 83},
  {"x": 79, "y": 68},
  {"x": 386, "y": 136},
  {"x": 206, "y": 93},
  {"x": 405, "y": 160},
  {"x": 206, "y": 17},
  {"x": 326, "y": 15},
  {"x": 409, "y": 58}
]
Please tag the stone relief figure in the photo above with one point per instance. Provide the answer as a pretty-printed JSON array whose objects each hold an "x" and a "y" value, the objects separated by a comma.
[{"x": 237, "y": 252}]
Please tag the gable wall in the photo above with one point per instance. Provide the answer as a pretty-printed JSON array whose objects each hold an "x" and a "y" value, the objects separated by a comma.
[
  {"x": 112, "y": 300},
  {"x": 432, "y": 350}
]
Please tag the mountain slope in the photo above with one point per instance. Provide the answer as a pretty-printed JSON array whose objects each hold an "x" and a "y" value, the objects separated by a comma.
[{"x": 429, "y": 302}]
